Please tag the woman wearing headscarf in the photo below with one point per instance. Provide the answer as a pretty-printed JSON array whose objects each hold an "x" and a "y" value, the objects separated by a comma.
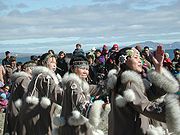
[
  {"x": 20, "y": 82},
  {"x": 133, "y": 96},
  {"x": 42, "y": 100},
  {"x": 79, "y": 115}
]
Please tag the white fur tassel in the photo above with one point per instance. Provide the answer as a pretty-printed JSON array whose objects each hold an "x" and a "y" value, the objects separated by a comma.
[
  {"x": 95, "y": 113},
  {"x": 77, "y": 119},
  {"x": 173, "y": 113},
  {"x": 129, "y": 95},
  {"x": 155, "y": 130},
  {"x": 18, "y": 103},
  {"x": 120, "y": 101},
  {"x": 32, "y": 100},
  {"x": 45, "y": 102}
]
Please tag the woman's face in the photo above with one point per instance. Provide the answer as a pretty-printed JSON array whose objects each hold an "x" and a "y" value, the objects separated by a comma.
[
  {"x": 134, "y": 62},
  {"x": 81, "y": 72},
  {"x": 51, "y": 63}
]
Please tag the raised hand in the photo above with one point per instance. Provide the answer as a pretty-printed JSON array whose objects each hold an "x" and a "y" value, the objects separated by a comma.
[{"x": 158, "y": 58}]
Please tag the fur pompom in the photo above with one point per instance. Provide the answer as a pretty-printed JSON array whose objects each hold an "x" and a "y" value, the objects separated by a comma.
[
  {"x": 95, "y": 113},
  {"x": 120, "y": 101},
  {"x": 77, "y": 119},
  {"x": 173, "y": 113},
  {"x": 18, "y": 103},
  {"x": 32, "y": 100},
  {"x": 129, "y": 95},
  {"x": 45, "y": 102},
  {"x": 76, "y": 114}
]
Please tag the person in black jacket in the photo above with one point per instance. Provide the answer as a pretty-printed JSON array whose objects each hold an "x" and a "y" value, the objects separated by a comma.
[
  {"x": 62, "y": 66},
  {"x": 78, "y": 50}
]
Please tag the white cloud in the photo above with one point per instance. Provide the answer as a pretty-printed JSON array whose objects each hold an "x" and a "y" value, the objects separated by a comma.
[{"x": 95, "y": 24}]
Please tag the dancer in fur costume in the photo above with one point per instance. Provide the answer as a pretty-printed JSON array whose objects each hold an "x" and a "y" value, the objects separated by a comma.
[
  {"x": 79, "y": 116},
  {"x": 132, "y": 95},
  {"x": 20, "y": 82},
  {"x": 42, "y": 99}
]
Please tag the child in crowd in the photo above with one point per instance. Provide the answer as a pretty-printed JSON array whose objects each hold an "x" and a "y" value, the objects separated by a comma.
[{"x": 3, "y": 102}]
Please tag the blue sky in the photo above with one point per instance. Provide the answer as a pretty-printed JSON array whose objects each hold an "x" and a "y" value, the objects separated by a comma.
[{"x": 38, "y": 25}]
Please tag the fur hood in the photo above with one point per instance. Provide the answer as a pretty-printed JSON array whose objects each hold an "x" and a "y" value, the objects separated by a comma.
[
  {"x": 165, "y": 80},
  {"x": 131, "y": 76},
  {"x": 44, "y": 70},
  {"x": 16, "y": 75},
  {"x": 73, "y": 77}
]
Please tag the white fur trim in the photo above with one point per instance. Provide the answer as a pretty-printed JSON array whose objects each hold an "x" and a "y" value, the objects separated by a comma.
[
  {"x": 32, "y": 100},
  {"x": 44, "y": 70},
  {"x": 129, "y": 95},
  {"x": 59, "y": 121},
  {"x": 111, "y": 83},
  {"x": 59, "y": 77},
  {"x": 45, "y": 102},
  {"x": 95, "y": 113},
  {"x": 120, "y": 101},
  {"x": 165, "y": 80},
  {"x": 155, "y": 130},
  {"x": 16, "y": 75},
  {"x": 97, "y": 132},
  {"x": 173, "y": 113},
  {"x": 73, "y": 77},
  {"x": 112, "y": 79},
  {"x": 112, "y": 72},
  {"x": 131, "y": 76},
  {"x": 77, "y": 119},
  {"x": 18, "y": 103}
]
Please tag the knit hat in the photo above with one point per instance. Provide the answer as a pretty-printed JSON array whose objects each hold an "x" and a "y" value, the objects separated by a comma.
[{"x": 79, "y": 61}]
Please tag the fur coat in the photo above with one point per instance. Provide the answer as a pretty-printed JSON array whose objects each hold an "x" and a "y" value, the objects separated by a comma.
[
  {"x": 41, "y": 102},
  {"x": 132, "y": 101}
]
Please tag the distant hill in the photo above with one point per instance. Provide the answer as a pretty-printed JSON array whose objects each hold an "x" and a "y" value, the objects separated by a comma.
[{"x": 153, "y": 45}]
